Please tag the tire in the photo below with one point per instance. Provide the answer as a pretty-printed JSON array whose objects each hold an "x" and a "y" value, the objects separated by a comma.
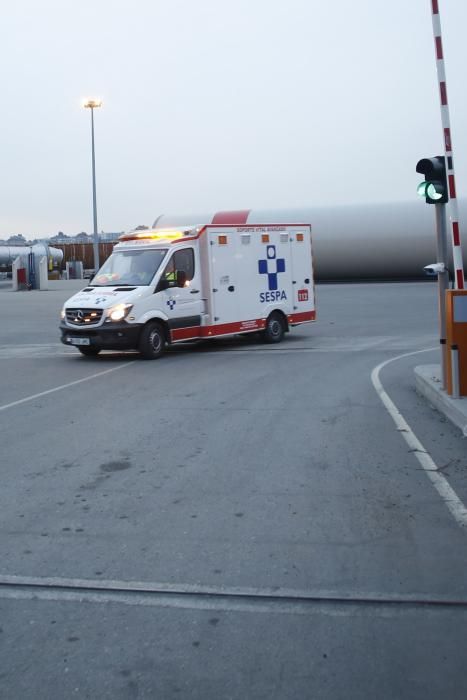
[
  {"x": 275, "y": 328},
  {"x": 152, "y": 341},
  {"x": 89, "y": 351}
]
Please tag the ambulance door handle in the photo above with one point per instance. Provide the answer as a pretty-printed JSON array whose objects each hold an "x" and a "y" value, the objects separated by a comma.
[
  {"x": 231, "y": 288},
  {"x": 194, "y": 291}
]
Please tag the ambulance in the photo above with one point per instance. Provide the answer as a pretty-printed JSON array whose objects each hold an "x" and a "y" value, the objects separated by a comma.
[{"x": 165, "y": 286}]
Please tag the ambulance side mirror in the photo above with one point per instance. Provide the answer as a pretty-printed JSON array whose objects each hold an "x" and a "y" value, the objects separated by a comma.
[{"x": 163, "y": 284}]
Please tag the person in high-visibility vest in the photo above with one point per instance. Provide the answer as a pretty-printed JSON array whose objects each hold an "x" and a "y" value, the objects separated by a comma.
[{"x": 170, "y": 273}]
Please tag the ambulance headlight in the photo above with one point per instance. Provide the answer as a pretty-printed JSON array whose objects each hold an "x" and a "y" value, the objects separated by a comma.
[{"x": 119, "y": 312}]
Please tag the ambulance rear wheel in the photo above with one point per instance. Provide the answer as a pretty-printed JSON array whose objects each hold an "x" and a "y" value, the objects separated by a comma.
[
  {"x": 89, "y": 351},
  {"x": 152, "y": 341},
  {"x": 275, "y": 328}
]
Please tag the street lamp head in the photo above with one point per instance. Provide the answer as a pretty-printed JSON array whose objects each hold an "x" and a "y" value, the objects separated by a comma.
[{"x": 92, "y": 104}]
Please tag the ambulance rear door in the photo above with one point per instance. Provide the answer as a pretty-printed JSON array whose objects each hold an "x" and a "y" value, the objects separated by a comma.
[{"x": 302, "y": 269}]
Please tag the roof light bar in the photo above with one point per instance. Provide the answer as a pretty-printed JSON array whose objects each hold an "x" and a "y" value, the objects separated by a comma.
[{"x": 161, "y": 235}]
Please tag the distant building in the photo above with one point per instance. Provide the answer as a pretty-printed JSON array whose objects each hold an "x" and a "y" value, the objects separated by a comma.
[
  {"x": 83, "y": 238},
  {"x": 110, "y": 236},
  {"x": 17, "y": 239},
  {"x": 60, "y": 237}
]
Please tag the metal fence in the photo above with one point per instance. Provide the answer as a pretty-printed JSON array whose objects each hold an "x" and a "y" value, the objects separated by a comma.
[{"x": 84, "y": 253}]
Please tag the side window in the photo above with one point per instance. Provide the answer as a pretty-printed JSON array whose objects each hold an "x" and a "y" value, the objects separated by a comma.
[
  {"x": 185, "y": 262},
  {"x": 181, "y": 261}
]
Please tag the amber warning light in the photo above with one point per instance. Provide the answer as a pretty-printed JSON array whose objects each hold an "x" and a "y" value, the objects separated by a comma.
[{"x": 160, "y": 235}]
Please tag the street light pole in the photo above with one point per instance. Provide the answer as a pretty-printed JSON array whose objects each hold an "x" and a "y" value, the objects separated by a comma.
[{"x": 92, "y": 105}]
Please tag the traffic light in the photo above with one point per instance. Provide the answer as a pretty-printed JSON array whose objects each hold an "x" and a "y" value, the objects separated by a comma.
[{"x": 435, "y": 187}]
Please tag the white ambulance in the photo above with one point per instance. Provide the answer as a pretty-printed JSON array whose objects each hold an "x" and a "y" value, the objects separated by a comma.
[{"x": 165, "y": 286}]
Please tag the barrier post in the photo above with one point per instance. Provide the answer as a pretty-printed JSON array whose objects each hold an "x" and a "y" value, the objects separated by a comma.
[{"x": 456, "y": 342}]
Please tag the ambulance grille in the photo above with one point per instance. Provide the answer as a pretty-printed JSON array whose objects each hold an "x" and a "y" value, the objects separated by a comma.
[{"x": 83, "y": 317}]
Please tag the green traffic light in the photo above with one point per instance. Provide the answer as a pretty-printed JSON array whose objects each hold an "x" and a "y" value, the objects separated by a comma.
[
  {"x": 430, "y": 190},
  {"x": 421, "y": 189},
  {"x": 435, "y": 186}
]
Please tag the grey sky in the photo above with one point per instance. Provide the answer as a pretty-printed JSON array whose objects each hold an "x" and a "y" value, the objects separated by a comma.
[{"x": 210, "y": 104}]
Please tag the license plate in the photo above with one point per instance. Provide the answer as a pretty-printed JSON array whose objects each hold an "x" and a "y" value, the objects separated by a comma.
[{"x": 77, "y": 341}]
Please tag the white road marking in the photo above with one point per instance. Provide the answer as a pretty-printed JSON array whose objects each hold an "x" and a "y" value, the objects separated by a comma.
[
  {"x": 29, "y": 350},
  {"x": 34, "y": 350},
  {"x": 447, "y": 493},
  {"x": 314, "y": 344},
  {"x": 64, "y": 386}
]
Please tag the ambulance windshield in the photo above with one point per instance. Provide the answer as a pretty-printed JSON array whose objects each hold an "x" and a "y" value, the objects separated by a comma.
[{"x": 129, "y": 267}]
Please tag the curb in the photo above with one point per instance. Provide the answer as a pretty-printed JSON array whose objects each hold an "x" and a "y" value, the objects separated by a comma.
[{"x": 428, "y": 385}]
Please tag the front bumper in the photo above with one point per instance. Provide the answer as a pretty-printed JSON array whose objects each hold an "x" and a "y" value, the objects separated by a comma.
[{"x": 110, "y": 336}]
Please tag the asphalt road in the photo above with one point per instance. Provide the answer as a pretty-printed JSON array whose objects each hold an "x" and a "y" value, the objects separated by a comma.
[{"x": 234, "y": 520}]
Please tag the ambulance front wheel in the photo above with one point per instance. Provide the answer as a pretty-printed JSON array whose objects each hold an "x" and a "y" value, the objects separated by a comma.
[
  {"x": 152, "y": 341},
  {"x": 275, "y": 328}
]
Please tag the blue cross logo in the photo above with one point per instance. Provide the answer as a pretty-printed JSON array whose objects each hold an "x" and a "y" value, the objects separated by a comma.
[
  {"x": 271, "y": 267},
  {"x": 171, "y": 303}
]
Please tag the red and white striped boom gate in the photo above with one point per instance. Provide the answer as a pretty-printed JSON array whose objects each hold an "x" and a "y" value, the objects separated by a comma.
[{"x": 445, "y": 120}]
